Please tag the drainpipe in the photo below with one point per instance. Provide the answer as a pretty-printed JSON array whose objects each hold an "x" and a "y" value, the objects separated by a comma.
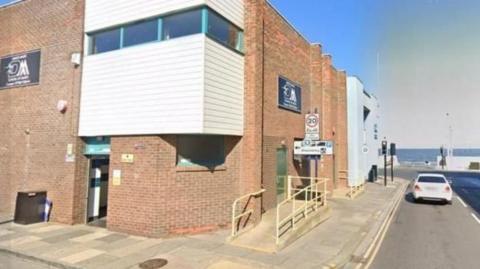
[{"x": 263, "y": 104}]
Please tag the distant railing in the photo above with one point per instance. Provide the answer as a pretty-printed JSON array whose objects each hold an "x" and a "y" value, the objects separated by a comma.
[
  {"x": 235, "y": 217},
  {"x": 313, "y": 194}
]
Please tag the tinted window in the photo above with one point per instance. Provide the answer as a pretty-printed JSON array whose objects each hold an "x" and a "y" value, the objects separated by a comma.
[
  {"x": 187, "y": 23},
  {"x": 106, "y": 41},
  {"x": 431, "y": 180},
  {"x": 224, "y": 31},
  {"x": 204, "y": 150},
  {"x": 140, "y": 33}
]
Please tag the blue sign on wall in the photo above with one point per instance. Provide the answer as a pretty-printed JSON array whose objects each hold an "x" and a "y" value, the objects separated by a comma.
[
  {"x": 289, "y": 95},
  {"x": 20, "y": 70}
]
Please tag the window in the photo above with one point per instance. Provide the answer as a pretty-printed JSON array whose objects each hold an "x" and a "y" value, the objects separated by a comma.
[
  {"x": 187, "y": 23},
  {"x": 139, "y": 33},
  {"x": 224, "y": 32},
  {"x": 431, "y": 180},
  {"x": 106, "y": 41},
  {"x": 203, "y": 150}
]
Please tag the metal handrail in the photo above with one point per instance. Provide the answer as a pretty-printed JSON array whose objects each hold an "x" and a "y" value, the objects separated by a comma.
[
  {"x": 234, "y": 209},
  {"x": 310, "y": 200},
  {"x": 290, "y": 188}
]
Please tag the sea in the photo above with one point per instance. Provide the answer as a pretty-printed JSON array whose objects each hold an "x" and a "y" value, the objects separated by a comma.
[{"x": 420, "y": 156}]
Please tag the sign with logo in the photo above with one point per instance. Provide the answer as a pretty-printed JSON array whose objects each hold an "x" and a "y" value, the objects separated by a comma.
[
  {"x": 20, "y": 70},
  {"x": 312, "y": 126},
  {"x": 289, "y": 95},
  {"x": 307, "y": 147}
]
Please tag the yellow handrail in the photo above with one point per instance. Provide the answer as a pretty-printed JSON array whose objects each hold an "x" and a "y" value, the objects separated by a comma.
[
  {"x": 309, "y": 200},
  {"x": 234, "y": 207}
]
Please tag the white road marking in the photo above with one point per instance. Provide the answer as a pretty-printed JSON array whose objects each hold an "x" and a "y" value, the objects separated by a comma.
[
  {"x": 476, "y": 218},
  {"x": 461, "y": 201}
]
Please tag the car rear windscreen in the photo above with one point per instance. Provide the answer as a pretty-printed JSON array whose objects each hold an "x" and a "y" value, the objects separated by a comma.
[{"x": 431, "y": 180}]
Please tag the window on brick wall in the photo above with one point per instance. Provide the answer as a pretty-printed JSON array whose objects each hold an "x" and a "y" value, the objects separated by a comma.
[{"x": 203, "y": 150}]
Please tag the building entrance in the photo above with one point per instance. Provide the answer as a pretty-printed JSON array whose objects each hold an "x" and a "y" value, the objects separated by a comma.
[{"x": 98, "y": 191}]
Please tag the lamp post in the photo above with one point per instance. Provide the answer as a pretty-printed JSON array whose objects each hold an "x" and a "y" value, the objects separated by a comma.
[{"x": 450, "y": 135}]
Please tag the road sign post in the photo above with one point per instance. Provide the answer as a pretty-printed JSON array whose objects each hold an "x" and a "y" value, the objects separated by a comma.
[{"x": 384, "y": 152}]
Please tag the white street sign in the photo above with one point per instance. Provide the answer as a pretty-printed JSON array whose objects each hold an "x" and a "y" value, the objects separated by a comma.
[
  {"x": 308, "y": 147},
  {"x": 312, "y": 126}
]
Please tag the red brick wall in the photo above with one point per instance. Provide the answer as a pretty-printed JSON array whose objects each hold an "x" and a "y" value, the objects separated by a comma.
[
  {"x": 34, "y": 135},
  {"x": 341, "y": 128},
  {"x": 157, "y": 198}
]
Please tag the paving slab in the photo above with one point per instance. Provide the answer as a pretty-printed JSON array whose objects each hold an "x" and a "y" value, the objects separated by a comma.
[{"x": 350, "y": 224}]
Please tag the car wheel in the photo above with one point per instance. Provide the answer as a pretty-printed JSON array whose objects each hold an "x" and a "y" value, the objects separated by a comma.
[{"x": 449, "y": 202}]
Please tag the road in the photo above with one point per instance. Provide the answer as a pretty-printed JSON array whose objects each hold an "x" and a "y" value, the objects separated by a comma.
[
  {"x": 11, "y": 262},
  {"x": 434, "y": 235}
]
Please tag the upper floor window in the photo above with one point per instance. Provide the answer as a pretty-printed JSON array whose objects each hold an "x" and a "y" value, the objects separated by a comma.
[
  {"x": 141, "y": 32},
  {"x": 106, "y": 41},
  {"x": 201, "y": 20},
  {"x": 224, "y": 31},
  {"x": 182, "y": 24}
]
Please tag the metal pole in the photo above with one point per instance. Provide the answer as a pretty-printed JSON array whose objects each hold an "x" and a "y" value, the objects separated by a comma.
[
  {"x": 385, "y": 169},
  {"x": 391, "y": 168}
]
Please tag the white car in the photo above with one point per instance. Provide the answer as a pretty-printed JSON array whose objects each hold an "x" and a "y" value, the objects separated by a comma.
[{"x": 432, "y": 187}]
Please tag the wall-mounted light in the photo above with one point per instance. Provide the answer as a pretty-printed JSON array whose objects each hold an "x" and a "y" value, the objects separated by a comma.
[{"x": 76, "y": 58}]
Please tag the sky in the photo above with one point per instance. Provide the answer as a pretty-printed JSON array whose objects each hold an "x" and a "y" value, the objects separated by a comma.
[
  {"x": 6, "y": 1},
  {"x": 421, "y": 58}
]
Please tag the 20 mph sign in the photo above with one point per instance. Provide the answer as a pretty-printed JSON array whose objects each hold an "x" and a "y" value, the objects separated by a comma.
[{"x": 312, "y": 126}]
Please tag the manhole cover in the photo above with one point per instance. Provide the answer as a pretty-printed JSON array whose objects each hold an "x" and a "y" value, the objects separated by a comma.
[{"x": 153, "y": 264}]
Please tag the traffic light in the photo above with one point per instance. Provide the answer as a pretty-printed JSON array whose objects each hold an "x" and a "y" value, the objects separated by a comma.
[
  {"x": 393, "y": 149},
  {"x": 384, "y": 147}
]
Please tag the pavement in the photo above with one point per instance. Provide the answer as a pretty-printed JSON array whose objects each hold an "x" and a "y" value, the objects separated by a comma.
[
  {"x": 353, "y": 227},
  {"x": 8, "y": 261},
  {"x": 432, "y": 235}
]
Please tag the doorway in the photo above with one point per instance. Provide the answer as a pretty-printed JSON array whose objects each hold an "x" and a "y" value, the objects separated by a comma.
[
  {"x": 281, "y": 173},
  {"x": 97, "y": 205}
]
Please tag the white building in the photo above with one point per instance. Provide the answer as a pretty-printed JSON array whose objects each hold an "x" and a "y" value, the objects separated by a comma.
[{"x": 364, "y": 139}]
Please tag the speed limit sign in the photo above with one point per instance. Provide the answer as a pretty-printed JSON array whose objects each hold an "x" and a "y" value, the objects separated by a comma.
[{"x": 312, "y": 126}]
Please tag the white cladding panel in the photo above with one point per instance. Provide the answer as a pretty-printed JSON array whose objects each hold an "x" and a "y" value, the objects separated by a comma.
[
  {"x": 189, "y": 85},
  {"x": 100, "y": 14},
  {"x": 355, "y": 132},
  {"x": 155, "y": 88},
  {"x": 224, "y": 89}
]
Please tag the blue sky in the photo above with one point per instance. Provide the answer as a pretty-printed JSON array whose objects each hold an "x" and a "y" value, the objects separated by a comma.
[
  {"x": 6, "y": 1},
  {"x": 347, "y": 29},
  {"x": 428, "y": 61}
]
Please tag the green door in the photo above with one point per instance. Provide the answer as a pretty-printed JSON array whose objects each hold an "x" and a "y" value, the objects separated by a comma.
[{"x": 281, "y": 173}]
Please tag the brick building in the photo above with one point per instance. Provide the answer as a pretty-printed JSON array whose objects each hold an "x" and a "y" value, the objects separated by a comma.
[
  {"x": 177, "y": 109},
  {"x": 35, "y": 137}
]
